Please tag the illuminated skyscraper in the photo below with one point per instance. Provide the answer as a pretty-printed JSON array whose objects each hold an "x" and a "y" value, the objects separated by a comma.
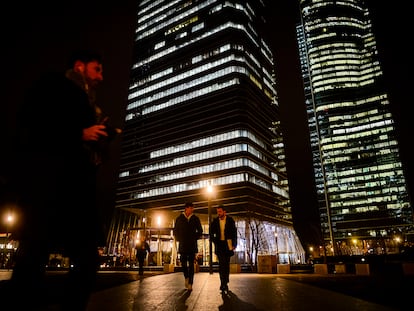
[
  {"x": 362, "y": 192},
  {"x": 202, "y": 110}
]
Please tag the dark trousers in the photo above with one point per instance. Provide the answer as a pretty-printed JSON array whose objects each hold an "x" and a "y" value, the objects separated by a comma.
[
  {"x": 187, "y": 262},
  {"x": 223, "y": 256},
  {"x": 141, "y": 259}
]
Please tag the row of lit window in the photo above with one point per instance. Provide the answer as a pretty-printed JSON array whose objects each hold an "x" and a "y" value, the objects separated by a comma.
[
  {"x": 361, "y": 203},
  {"x": 365, "y": 127},
  {"x": 332, "y": 23},
  {"x": 339, "y": 66},
  {"x": 317, "y": 4},
  {"x": 355, "y": 175},
  {"x": 371, "y": 115},
  {"x": 336, "y": 157},
  {"x": 219, "y": 152},
  {"x": 324, "y": 51},
  {"x": 367, "y": 182},
  {"x": 381, "y": 195},
  {"x": 338, "y": 69},
  {"x": 205, "y": 141},
  {"x": 354, "y": 210},
  {"x": 381, "y": 98},
  {"x": 344, "y": 79},
  {"x": 341, "y": 142},
  {"x": 144, "y": 7},
  {"x": 202, "y": 184},
  {"x": 210, "y": 168},
  {"x": 168, "y": 11},
  {"x": 394, "y": 183}
]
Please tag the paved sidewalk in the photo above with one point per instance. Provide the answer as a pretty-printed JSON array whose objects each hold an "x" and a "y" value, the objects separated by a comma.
[{"x": 248, "y": 292}]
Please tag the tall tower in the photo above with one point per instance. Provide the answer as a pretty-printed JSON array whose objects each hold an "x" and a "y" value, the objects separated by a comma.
[
  {"x": 362, "y": 192},
  {"x": 202, "y": 110}
]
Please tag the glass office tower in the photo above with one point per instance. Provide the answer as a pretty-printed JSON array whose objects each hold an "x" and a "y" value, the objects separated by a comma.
[
  {"x": 362, "y": 192},
  {"x": 202, "y": 111}
]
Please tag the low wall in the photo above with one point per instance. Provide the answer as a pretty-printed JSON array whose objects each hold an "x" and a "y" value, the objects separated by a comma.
[
  {"x": 283, "y": 268},
  {"x": 266, "y": 264},
  {"x": 235, "y": 268},
  {"x": 320, "y": 268},
  {"x": 362, "y": 269}
]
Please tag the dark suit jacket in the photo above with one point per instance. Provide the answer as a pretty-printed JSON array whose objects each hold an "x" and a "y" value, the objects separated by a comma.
[{"x": 230, "y": 231}]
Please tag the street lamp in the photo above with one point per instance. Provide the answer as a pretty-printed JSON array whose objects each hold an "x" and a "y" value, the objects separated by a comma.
[
  {"x": 277, "y": 247},
  {"x": 210, "y": 191},
  {"x": 9, "y": 220},
  {"x": 159, "y": 253}
]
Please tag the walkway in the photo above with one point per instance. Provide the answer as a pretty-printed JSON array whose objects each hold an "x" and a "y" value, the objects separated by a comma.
[{"x": 248, "y": 292}]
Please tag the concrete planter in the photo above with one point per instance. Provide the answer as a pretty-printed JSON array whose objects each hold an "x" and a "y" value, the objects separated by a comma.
[
  {"x": 266, "y": 264},
  {"x": 283, "y": 268},
  {"x": 320, "y": 268},
  {"x": 168, "y": 268},
  {"x": 362, "y": 269},
  {"x": 340, "y": 268},
  {"x": 235, "y": 268}
]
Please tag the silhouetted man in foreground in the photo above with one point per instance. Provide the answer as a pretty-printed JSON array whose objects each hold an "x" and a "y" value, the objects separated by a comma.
[{"x": 60, "y": 144}]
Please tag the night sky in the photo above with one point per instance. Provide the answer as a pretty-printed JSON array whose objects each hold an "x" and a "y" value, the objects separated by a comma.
[{"x": 40, "y": 36}]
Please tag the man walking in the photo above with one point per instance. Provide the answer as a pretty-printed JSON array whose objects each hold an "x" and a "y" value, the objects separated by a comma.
[
  {"x": 187, "y": 231},
  {"x": 224, "y": 236},
  {"x": 142, "y": 249}
]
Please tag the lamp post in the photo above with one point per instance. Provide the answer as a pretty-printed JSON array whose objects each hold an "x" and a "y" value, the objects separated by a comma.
[
  {"x": 210, "y": 244},
  {"x": 277, "y": 248},
  {"x": 9, "y": 219},
  {"x": 174, "y": 247},
  {"x": 159, "y": 254}
]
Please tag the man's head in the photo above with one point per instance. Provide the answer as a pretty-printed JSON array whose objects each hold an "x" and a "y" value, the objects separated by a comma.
[
  {"x": 188, "y": 208},
  {"x": 221, "y": 211},
  {"x": 88, "y": 64}
]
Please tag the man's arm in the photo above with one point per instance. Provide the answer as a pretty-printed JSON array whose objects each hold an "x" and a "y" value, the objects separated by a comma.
[
  {"x": 199, "y": 229},
  {"x": 176, "y": 230}
]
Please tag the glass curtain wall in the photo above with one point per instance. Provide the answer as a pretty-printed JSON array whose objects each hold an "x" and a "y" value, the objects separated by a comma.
[{"x": 362, "y": 192}]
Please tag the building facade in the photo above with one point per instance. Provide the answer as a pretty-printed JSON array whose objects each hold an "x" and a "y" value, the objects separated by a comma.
[
  {"x": 362, "y": 193},
  {"x": 203, "y": 111}
]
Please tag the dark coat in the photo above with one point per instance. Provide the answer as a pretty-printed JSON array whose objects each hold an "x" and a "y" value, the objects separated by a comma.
[
  {"x": 52, "y": 117},
  {"x": 187, "y": 231},
  {"x": 230, "y": 231},
  {"x": 55, "y": 175},
  {"x": 142, "y": 249}
]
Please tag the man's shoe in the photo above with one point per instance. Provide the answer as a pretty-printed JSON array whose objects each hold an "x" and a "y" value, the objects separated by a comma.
[{"x": 186, "y": 283}]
